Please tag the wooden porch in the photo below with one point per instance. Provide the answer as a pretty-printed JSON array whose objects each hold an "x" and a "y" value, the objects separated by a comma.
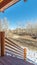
[{"x": 11, "y": 53}]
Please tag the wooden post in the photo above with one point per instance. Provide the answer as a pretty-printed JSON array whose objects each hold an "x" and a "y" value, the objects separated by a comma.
[
  {"x": 2, "y": 42},
  {"x": 25, "y": 53}
]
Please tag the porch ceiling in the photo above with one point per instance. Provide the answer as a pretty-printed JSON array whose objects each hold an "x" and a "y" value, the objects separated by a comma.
[{"x": 4, "y": 4}]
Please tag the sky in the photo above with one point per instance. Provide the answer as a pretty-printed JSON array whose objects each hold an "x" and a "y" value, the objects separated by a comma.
[{"x": 21, "y": 13}]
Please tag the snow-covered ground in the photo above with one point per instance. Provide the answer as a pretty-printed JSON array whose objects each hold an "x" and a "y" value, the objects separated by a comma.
[{"x": 32, "y": 55}]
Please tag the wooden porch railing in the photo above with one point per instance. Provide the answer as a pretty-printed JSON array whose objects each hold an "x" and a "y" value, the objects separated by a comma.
[{"x": 8, "y": 46}]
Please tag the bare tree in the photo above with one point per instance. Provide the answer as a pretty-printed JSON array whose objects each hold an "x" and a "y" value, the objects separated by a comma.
[
  {"x": 5, "y": 23},
  {"x": 4, "y": 26},
  {"x": 1, "y": 25}
]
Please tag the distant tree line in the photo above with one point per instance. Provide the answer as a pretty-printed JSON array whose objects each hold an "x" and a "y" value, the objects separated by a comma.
[{"x": 31, "y": 28}]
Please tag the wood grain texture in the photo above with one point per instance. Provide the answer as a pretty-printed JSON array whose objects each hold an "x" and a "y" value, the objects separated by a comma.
[
  {"x": 2, "y": 43},
  {"x": 6, "y": 4}
]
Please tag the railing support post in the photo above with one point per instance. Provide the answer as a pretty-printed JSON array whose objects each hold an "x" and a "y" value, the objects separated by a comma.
[
  {"x": 25, "y": 53},
  {"x": 2, "y": 42}
]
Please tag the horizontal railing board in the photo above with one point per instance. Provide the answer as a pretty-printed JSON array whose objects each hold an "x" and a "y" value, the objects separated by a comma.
[
  {"x": 13, "y": 43},
  {"x": 10, "y": 44},
  {"x": 13, "y": 48},
  {"x": 13, "y": 52}
]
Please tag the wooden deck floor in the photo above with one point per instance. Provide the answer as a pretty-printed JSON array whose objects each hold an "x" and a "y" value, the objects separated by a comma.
[{"x": 9, "y": 60}]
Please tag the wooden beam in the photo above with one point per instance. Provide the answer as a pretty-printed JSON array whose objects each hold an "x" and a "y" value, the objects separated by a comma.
[{"x": 7, "y": 4}]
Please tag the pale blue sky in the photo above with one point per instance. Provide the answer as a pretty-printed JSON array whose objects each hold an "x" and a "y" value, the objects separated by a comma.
[{"x": 21, "y": 12}]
